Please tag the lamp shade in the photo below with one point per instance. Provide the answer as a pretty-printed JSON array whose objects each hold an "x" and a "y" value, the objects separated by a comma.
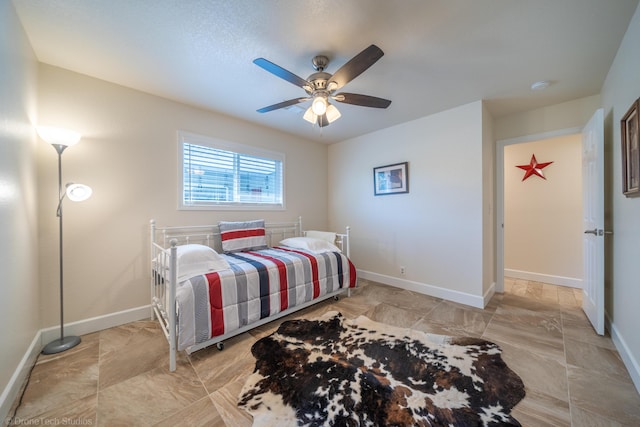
[
  {"x": 58, "y": 136},
  {"x": 332, "y": 113},
  {"x": 310, "y": 116},
  {"x": 78, "y": 192}
]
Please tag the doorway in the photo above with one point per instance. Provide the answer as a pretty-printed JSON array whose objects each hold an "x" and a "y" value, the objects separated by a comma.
[{"x": 531, "y": 260}]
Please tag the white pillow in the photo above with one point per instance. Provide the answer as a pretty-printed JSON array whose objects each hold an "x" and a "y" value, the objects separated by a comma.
[
  {"x": 324, "y": 235},
  {"x": 193, "y": 260},
  {"x": 311, "y": 244}
]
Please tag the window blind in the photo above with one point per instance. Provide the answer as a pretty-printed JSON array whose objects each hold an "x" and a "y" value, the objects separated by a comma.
[{"x": 214, "y": 176}]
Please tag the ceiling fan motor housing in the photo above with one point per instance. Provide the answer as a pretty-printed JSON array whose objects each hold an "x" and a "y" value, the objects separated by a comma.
[
  {"x": 319, "y": 80},
  {"x": 320, "y": 62}
]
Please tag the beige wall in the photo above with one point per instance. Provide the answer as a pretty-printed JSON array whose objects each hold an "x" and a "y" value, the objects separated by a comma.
[
  {"x": 435, "y": 231},
  {"x": 621, "y": 88},
  {"x": 543, "y": 218},
  {"x": 19, "y": 316},
  {"x": 567, "y": 115},
  {"x": 128, "y": 155}
]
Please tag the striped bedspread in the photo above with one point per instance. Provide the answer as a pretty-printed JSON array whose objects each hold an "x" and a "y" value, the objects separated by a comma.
[{"x": 258, "y": 285}]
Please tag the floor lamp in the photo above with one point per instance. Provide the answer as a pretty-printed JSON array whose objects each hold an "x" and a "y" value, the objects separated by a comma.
[{"x": 61, "y": 139}]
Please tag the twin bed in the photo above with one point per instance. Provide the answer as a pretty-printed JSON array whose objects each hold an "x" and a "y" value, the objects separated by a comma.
[{"x": 210, "y": 283}]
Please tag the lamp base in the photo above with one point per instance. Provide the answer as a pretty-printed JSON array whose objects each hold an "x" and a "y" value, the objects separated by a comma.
[{"x": 61, "y": 344}]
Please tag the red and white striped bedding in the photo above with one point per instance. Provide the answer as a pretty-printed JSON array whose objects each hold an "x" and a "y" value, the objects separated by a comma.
[{"x": 259, "y": 284}]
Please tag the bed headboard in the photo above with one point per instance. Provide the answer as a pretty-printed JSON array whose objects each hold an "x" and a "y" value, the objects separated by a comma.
[{"x": 209, "y": 235}]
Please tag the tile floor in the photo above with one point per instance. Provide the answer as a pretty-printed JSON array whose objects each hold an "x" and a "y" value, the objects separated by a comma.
[{"x": 119, "y": 376}]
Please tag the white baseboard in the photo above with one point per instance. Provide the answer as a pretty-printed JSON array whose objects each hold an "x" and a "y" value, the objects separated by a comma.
[
  {"x": 43, "y": 336},
  {"x": 571, "y": 282},
  {"x": 434, "y": 291},
  {"x": 19, "y": 377},
  {"x": 99, "y": 323},
  {"x": 630, "y": 362}
]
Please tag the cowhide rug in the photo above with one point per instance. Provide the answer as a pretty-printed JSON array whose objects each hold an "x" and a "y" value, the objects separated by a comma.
[{"x": 335, "y": 371}]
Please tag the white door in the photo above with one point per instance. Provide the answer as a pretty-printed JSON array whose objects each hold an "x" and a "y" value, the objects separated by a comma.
[{"x": 593, "y": 220}]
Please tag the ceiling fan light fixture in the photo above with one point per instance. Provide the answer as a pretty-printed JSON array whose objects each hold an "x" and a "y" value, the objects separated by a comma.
[
  {"x": 319, "y": 105},
  {"x": 332, "y": 113},
  {"x": 310, "y": 116}
]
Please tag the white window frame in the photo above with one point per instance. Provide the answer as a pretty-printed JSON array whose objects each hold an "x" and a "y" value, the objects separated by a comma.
[{"x": 195, "y": 139}]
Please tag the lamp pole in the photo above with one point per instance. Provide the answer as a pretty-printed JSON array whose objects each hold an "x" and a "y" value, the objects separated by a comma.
[{"x": 63, "y": 343}]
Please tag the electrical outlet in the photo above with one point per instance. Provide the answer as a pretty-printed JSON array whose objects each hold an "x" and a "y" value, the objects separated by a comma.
[{"x": 402, "y": 270}]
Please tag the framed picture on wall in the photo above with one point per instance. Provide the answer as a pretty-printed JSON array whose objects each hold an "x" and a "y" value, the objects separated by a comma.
[
  {"x": 631, "y": 151},
  {"x": 391, "y": 179}
]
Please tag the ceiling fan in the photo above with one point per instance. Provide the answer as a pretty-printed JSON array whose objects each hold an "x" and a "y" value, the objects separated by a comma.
[{"x": 321, "y": 86}]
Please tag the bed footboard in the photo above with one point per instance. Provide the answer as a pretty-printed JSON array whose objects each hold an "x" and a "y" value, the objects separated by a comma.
[{"x": 163, "y": 292}]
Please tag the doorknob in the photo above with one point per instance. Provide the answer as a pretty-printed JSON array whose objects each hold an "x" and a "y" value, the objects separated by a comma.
[{"x": 598, "y": 232}]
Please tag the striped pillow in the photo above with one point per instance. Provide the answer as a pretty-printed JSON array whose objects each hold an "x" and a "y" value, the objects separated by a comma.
[{"x": 242, "y": 236}]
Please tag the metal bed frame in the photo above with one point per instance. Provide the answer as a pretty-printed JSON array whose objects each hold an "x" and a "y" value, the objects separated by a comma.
[{"x": 164, "y": 272}]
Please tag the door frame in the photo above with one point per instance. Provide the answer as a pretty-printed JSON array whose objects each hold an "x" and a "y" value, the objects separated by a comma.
[{"x": 500, "y": 145}]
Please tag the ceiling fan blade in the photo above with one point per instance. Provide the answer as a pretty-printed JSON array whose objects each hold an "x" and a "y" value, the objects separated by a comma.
[
  {"x": 356, "y": 66},
  {"x": 362, "y": 100},
  {"x": 282, "y": 73},
  {"x": 282, "y": 104}
]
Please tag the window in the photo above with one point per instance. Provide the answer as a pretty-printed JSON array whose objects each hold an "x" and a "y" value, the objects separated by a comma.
[{"x": 219, "y": 174}]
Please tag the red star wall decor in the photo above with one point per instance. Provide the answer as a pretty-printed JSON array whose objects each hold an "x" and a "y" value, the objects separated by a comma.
[{"x": 534, "y": 168}]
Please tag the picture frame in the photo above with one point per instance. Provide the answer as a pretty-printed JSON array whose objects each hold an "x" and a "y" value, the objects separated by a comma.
[
  {"x": 391, "y": 179},
  {"x": 630, "y": 136}
]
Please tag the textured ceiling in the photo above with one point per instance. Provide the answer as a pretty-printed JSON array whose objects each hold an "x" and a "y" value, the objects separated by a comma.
[{"x": 438, "y": 54}]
